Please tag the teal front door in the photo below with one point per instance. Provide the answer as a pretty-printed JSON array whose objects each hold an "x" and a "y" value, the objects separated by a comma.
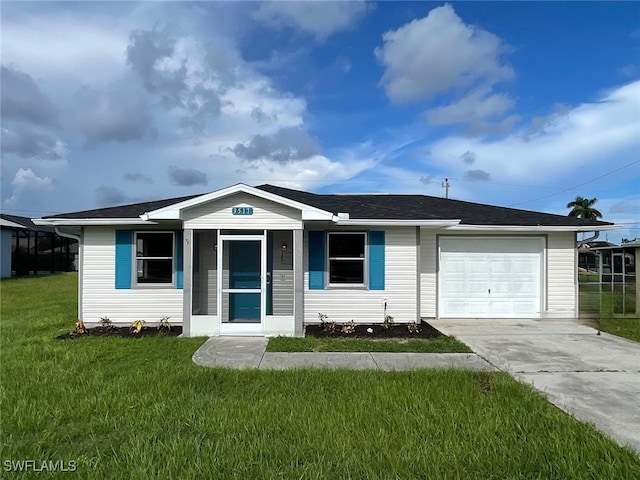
[
  {"x": 244, "y": 281},
  {"x": 242, "y": 284}
]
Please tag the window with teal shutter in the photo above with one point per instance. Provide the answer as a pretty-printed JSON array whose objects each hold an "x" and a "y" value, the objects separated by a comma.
[
  {"x": 153, "y": 264},
  {"x": 123, "y": 259},
  {"x": 316, "y": 260},
  {"x": 376, "y": 260},
  {"x": 179, "y": 260}
]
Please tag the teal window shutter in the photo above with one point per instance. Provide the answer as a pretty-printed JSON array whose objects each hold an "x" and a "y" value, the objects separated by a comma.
[
  {"x": 179, "y": 260},
  {"x": 123, "y": 258},
  {"x": 316, "y": 260},
  {"x": 376, "y": 260}
]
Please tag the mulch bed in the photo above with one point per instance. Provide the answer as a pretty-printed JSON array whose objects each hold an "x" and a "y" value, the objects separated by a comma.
[
  {"x": 121, "y": 332},
  {"x": 377, "y": 331}
]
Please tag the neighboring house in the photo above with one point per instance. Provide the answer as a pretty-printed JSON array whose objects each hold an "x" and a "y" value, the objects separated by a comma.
[
  {"x": 617, "y": 264},
  {"x": 7, "y": 228},
  {"x": 588, "y": 258},
  {"x": 28, "y": 248},
  {"x": 268, "y": 260}
]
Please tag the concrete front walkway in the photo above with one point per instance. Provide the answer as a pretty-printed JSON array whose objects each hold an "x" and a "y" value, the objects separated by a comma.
[
  {"x": 594, "y": 377},
  {"x": 249, "y": 352}
]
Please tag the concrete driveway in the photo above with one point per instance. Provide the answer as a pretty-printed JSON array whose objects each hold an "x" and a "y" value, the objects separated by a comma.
[{"x": 594, "y": 377}]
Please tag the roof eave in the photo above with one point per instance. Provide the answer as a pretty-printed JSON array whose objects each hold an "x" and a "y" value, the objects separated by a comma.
[
  {"x": 396, "y": 223},
  {"x": 549, "y": 228},
  {"x": 9, "y": 224},
  {"x": 81, "y": 222}
]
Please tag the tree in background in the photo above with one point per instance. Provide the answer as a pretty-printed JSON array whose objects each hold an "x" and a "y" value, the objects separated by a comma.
[{"x": 583, "y": 208}]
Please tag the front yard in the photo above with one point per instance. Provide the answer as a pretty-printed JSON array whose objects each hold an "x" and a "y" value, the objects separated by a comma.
[
  {"x": 612, "y": 308},
  {"x": 140, "y": 408},
  {"x": 623, "y": 327},
  {"x": 319, "y": 344}
]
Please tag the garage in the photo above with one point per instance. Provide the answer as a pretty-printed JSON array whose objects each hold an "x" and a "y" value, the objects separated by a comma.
[{"x": 490, "y": 277}]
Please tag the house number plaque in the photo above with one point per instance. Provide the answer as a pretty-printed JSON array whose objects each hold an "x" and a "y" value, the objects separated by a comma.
[{"x": 242, "y": 211}]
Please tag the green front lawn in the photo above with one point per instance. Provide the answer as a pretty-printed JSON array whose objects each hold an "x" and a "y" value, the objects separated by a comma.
[
  {"x": 608, "y": 300},
  {"x": 313, "y": 344},
  {"x": 623, "y": 327},
  {"x": 139, "y": 408}
]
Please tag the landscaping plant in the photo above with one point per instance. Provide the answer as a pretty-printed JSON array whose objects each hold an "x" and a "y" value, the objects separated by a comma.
[{"x": 136, "y": 326}]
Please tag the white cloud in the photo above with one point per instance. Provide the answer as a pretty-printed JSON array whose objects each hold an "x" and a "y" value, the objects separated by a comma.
[
  {"x": 51, "y": 46},
  {"x": 29, "y": 143},
  {"x": 224, "y": 168},
  {"x": 186, "y": 177},
  {"x": 438, "y": 53},
  {"x": 474, "y": 107},
  {"x": 285, "y": 146},
  {"x": 27, "y": 185},
  {"x": 581, "y": 138},
  {"x": 22, "y": 99},
  {"x": 120, "y": 113},
  {"x": 320, "y": 19}
]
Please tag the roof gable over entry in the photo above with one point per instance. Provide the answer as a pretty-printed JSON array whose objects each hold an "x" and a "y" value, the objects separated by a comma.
[{"x": 177, "y": 211}]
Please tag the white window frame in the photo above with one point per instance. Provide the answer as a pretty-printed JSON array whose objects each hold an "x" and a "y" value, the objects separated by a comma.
[
  {"x": 136, "y": 258},
  {"x": 364, "y": 258}
]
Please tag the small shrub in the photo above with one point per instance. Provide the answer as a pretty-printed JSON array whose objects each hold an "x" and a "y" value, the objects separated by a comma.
[
  {"x": 349, "y": 327},
  {"x": 164, "y": 325},
  {"x": 413, "y": 327},
  {"x": 80, "y": 329},
  {"x": 327, "y": 327},
  {"x": 136, "y": 326},
  {"x": 106, "y": 322},
  {"x": 388, "y": 322}
]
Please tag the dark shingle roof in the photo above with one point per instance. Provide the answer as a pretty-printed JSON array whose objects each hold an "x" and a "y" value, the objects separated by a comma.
[
  {"x": 393, "y": 207},
  {"x": 27, "y": 223},
  {"x": 133, "y": 210},
  {"x": 421, "y": 207}
]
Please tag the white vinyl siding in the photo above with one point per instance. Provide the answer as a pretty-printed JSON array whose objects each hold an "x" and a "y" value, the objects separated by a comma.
[
  {"x": 367, "y": 306},
  {"x": 100, "y": 297},
  {"x": 428, "y": 255},
  {"x": 561, "y": 275},
  {"x": 266, "y": 214}
]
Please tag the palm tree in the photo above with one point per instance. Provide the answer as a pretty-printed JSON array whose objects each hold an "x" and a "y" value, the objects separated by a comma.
[{"x": 583, "y": 208}]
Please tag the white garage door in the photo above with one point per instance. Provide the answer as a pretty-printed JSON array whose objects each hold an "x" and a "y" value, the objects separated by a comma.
[{"x": 486, "y": 277}]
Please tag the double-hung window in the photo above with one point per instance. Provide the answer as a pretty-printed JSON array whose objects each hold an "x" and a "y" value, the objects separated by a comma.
[
  {"x": 154, "y": 257},
  {"x": 347, "y": 258}
]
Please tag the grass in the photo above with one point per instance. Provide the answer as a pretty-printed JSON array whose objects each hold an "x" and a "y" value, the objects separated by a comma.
[
  {"x": 139, "y": 408},
  {"x": 623, "y": 327},
  {"x": 314, "y": 344},
  {"x": 608, "y": 300},
  {"x": 613, "y": 307}
]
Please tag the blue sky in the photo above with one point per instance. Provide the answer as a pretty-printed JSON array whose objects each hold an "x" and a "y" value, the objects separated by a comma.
[{"x": 518, "y": 104}]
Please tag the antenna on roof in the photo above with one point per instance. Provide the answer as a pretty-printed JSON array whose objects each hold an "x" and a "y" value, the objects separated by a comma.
[{"x": 446, "y": 186}]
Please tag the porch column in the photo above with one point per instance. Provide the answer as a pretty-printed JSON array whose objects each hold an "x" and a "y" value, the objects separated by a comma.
[
  {"x": 187, "y": 277},
  {"x": 298, "y": 282}
]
